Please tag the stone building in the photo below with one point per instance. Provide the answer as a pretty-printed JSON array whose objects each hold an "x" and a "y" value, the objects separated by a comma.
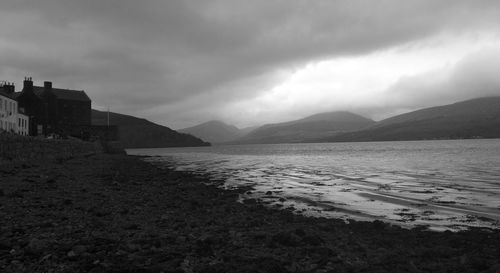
[
  {"x": 53, "y": 110},
  {"x": 11, "y": 119}
]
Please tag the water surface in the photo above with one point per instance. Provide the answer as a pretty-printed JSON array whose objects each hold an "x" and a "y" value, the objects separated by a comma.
[{"x": 450, "y": 184}]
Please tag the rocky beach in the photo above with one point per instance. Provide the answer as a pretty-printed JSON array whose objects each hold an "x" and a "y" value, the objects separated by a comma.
[{"x": 101, "y": 212}]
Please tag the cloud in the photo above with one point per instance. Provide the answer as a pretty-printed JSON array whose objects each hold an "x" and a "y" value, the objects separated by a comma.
[
  {"x": 179, "y": 60},
  {"x": 377, "y": 85},
  {"x": 474, "y": 76}
]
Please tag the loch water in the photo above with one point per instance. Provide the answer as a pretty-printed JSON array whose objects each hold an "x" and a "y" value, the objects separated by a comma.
[{"x": 442, "y": 184}]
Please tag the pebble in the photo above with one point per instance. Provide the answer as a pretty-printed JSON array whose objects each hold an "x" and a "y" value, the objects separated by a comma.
[
  {"x": 37, "y": 246},
  {"x": 250, "y": 201},
  {"x": 132, "y": 227},
  {"x": 79, "y": 249},
  {"x": 221, "y": 235}
]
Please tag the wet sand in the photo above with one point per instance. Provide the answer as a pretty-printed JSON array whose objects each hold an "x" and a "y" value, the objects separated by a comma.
[
  {"x": 116, "y": 213},
  {"x": 442, "y": 194}
]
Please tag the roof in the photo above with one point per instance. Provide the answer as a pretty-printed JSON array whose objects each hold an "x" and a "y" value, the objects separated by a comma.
[
  {"x": 64, "y": 94},
  {"x": 2, "y": 93},
  {"x": 15, "y": 95}
]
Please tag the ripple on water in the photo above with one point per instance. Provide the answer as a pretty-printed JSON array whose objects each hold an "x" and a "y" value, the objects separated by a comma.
[{"x": 409, "y": 183}]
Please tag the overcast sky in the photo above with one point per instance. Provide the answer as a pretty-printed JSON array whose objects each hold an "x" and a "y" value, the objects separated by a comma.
[{"x": 180, "y": 63}]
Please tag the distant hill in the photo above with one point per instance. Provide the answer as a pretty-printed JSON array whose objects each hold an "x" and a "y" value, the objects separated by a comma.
[
  {"x": 141, "y": 133},
  {"x": 476, "y": 118},
  {"x": 247, "y": 130},
  {"x": 306, "y": 129},
  {"x": 214, "y": 131}
]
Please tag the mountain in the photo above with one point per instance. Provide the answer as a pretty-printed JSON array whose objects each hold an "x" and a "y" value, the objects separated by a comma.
[
  {"x": 214, "y": 131},
  {"x": 306, "y": 129},
  {"x": 140, "y": 133},
  {"x": 476, "y": 118},
  {"x": 247, "y": 130}
]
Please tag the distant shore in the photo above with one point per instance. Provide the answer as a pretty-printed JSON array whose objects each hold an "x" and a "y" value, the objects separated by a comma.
[{"x": 116, "y": 213}]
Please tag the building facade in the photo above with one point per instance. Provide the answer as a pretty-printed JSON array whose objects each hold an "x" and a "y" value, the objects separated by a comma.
[
  {"x": 44, "y": 110},
  {"x": 11, "y": 119},
  {"x": 54, "y": 110},
  {"x": 22, "y": 124}
]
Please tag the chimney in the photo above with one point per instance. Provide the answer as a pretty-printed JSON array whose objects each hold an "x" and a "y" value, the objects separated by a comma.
[
  {"x": 28, "y": 84},
  {"x": 9, "y": 88},
  {"x": 47, "y": 86}
]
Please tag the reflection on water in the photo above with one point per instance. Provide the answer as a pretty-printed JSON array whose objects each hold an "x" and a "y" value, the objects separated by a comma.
[{"x": 442, "y": 184}]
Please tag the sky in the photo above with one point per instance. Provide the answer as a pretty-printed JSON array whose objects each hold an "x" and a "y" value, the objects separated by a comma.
[{"x": 183, "y": 62}]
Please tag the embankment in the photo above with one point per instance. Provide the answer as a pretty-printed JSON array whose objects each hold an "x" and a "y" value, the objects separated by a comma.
[{"x": 24, "y": 149}]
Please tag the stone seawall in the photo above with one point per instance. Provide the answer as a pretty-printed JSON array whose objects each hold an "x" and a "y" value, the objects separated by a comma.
[{"x": 19, "y": 148}]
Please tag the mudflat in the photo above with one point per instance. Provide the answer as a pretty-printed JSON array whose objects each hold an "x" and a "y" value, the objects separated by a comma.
[{"x": 117, "y": 213}]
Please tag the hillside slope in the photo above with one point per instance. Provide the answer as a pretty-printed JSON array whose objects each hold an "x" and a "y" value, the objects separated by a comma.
[
  {"x": 140, "y": 133},
  {"x": 306, "y": 129},
  {"x": 476, "y": 118},
  {"x": 213, "y": 131}
]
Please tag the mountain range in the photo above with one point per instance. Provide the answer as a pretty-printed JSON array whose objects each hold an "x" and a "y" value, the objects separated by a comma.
[
  {"x": 306, "y": 129},
  {"x": 136, "y": 132},
  {"x": 475, "y": 118},
  {"x": 214, "y": 131}
]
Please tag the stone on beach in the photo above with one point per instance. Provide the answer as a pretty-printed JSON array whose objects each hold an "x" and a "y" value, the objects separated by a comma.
[{"x": 157, "y": 220}]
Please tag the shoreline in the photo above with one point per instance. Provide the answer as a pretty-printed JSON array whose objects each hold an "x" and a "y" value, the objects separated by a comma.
[
  {"x": 410, "y": 201},
  {"x": 117, "y": 213}
]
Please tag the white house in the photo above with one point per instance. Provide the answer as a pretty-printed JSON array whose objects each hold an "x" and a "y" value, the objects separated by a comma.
[
  {"x": 22, "y": 124},
  {"x": 11, "y": 120}
]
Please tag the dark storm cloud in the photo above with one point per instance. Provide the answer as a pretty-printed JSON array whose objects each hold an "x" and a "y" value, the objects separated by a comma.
[{"x": 144, "y": 55}]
